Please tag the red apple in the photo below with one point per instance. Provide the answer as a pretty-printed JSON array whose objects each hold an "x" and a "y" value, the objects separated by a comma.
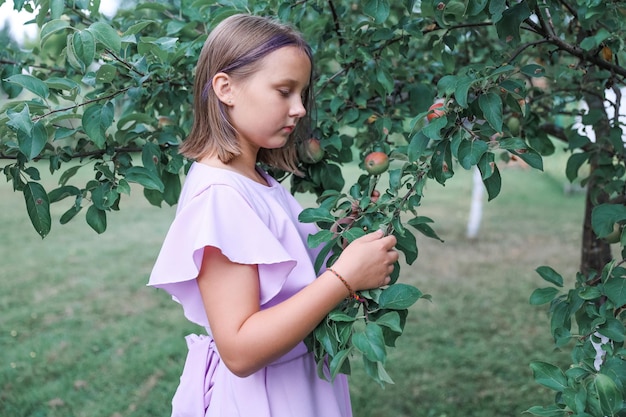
[
  {"x": 376, "y": 162},
  {"x": 374, "y": 196},
  {"x": 310, "y": 151},
  {"x": 434, "y": 112}
]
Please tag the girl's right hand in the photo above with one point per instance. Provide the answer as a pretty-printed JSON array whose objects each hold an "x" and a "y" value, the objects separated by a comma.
[{"x": 367, "y": 262}]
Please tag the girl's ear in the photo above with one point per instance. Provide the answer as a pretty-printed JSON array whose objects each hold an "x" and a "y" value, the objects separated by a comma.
[{"x": 222, "y": 85}]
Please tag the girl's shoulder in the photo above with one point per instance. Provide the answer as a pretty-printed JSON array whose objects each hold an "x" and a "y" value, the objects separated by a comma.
[{"x": 202, "y": 178}]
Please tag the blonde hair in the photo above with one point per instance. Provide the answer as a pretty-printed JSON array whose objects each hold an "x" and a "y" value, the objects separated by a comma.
[{"x": 235, "y": 47}]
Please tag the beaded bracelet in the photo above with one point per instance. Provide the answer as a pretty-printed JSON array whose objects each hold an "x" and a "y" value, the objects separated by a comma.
[{"x": 352, "y": 293}]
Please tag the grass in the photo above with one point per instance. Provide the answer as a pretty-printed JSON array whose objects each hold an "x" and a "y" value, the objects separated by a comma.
[{"x": 81, "y": 334}]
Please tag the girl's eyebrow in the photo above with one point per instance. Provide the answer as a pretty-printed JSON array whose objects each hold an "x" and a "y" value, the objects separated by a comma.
[{"x": 292, "y": 81}]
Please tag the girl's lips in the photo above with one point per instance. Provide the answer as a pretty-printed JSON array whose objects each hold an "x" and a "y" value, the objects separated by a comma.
[{"x": 288, "y": 128}]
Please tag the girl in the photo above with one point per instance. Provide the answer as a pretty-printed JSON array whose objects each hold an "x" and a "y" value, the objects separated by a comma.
[{"x": 236, "y": 257}]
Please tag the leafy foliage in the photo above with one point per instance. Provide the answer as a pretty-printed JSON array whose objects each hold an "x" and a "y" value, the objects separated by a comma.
[{"x": 115, "y": 94}]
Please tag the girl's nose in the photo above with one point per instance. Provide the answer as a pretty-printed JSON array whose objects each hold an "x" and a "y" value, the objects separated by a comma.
[{"x": 297, "y": 109}]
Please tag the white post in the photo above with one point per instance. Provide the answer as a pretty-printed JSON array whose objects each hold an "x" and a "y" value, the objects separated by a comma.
[{"x": 476, "y": 207}]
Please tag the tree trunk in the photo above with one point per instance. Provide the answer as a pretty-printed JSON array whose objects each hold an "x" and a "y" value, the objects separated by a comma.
[{"x": 596, "y": 253}]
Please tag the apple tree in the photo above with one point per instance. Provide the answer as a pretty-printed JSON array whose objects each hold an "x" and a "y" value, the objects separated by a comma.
[{"x": 113, "y": 95}]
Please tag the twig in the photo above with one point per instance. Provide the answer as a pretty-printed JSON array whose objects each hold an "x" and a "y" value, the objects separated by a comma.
[
  {"x": 85, "y": 103},
  {"x": 526, "y": 46}
]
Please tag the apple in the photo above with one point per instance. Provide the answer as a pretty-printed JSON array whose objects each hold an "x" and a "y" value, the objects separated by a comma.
[
  {"x": 514, "y": 125},
  {"x": 374, "y": 196},
  {"x": 310, "y": 151},
  {"x": 376, "y": 162},
  {"x": 164, "y": 121},
  {"x": 434, "y": 112}
]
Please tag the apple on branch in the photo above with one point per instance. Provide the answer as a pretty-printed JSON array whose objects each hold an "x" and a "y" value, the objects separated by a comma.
[
  {"x": 310, "y": 150},
  {"x": 435, "y": 110},
  {"x": 376, "y": 162}
]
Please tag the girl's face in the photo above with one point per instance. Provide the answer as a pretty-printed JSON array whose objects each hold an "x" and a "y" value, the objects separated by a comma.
[{"x": 267, "y": 105}]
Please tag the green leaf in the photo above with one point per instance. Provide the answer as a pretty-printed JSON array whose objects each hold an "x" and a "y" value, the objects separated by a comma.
[
  {"x": 417, "y": 146},
  {"x": 530, "y": 156},
  {"x": 549, "y": 411},
  {"x": 62, "y": 192},
  {"x": 441, "y": 161},
  {"x": 353, "y": 233},
  {"x": 378, "y": 9},
  {"x": 421, "y": 226},
  {"x": 383, "y": 376},
  {"x": 342, "y": 317},
  {"x": 316, "y": 214},
  {"x": 51, "y": 27},
  {"x": 145, "y": 177},
  {"x": 69, "y": 173},
  {"x": 93, "y": 124},
  {"x": 604, "y": 217},
  {"x": 615, "y": 290},
  {"x": 371, "y": 343},
  {"x": 407, "y": 244},
  {"x": 548, "y": 375},
  {"x": 493, "y": 183},
  {"x": 339, "y": 361},
  {"x": 589, "y": 293},
  {"x": 70, "y": 214},
  {"x": 471, "y": 151},
  {"x": 390, "y": 320},
  {"x": 106, "y": 35},
  {"x": 533, "y": 70},
  {"x": 608, "y": 393},
  {"x": 138, "y": 27},
  {"x": 32, "y": 84},
  {"x": 84, "y": 45},
  {"x": 613, "y": 329},
  {"x": 20, "y": 121},
  {"x": 97, "y": 219},
  {"x": 31, "y": 145},
  {"x": 491, "y": 106},
  {"x": 72, "y": 57},
  {"x": 320, "y": 237},
  {"x": 106, "y": 73},
  {"x": 508, "y": 27},
  {"x": 461, "y": 91},
  {"x": 385, "y": 79},
  {"x": 550, "y": 275},
  {"x": 543, "y": 295},
  {"x": 574, "y": 162},
  {"x": 58, "y": 83},
  {"x": 399, "y": 297},
  {"x": 38, "y": 207},
  {"x": 474, "y": 7}
]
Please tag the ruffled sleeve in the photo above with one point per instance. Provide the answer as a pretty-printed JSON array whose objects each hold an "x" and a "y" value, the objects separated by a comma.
[{"x": 219, "y": 216}]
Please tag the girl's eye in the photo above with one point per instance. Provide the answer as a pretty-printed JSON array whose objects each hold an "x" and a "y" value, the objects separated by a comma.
[{"x": 284, "y": 93}]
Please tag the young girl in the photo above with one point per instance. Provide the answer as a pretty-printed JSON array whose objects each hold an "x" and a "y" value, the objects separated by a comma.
[{"x": 236, "y": 257}]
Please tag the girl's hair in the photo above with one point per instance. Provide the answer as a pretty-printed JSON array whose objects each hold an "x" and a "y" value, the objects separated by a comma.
[{"x": 235, "y": 47}]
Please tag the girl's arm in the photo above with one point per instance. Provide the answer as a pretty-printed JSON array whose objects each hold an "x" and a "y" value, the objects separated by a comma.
[{"x": 248, "y": 338}]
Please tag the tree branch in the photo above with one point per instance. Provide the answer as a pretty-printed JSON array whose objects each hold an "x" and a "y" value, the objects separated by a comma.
[
  {"x": 569, "y": 8},
  {"x": 82, "y": 155},
  {"x": 124, "y": 63},
  {"x": 95, "y": 100},
  {"x": 336, "y": 22},
  {"x": 526, "y": 46}
]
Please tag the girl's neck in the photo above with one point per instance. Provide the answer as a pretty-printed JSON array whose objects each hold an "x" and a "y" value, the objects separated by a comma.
[{"x": 240, "y": 165}]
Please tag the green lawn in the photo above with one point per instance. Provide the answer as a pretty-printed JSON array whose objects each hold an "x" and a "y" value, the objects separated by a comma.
[{"x": 81, "y": 334}]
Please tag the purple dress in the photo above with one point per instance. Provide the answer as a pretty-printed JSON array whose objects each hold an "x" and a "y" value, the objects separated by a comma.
[{"x": 251, "y": 224}]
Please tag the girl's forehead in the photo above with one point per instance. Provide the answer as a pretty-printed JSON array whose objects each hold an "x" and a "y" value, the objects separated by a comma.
[{"x": 288, "y": 62}]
